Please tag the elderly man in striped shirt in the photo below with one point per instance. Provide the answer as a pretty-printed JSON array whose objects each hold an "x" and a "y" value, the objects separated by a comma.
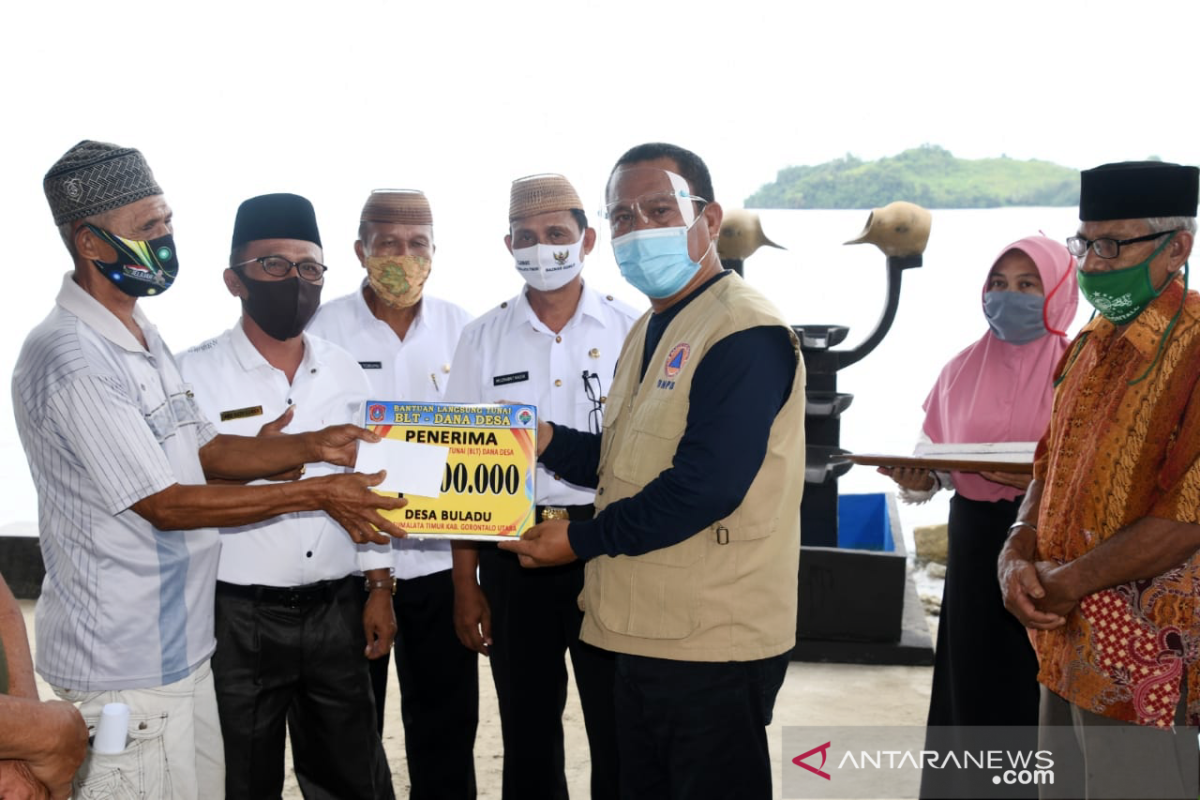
[{"x": 122, "y": 458}]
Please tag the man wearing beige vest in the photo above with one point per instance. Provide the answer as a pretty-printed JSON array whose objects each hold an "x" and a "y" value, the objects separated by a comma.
[{"x": 692, "y": 556}]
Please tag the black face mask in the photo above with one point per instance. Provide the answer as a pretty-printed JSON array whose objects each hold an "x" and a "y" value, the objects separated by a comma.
[{"x": 280, "y": 308}]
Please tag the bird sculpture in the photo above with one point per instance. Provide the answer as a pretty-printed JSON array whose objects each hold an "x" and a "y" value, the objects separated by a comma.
[
  {"x": 898, "y": 229},
  {"x": 741, "y": 235}
]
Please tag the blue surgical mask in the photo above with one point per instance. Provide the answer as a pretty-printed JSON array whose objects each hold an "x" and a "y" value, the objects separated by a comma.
[
  {"x": 656, "y": 261},
  {"x": 1015, "y": 317}
]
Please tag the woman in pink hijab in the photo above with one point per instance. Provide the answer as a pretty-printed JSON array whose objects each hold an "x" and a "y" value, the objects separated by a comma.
[{"x": 999, "y": 389}]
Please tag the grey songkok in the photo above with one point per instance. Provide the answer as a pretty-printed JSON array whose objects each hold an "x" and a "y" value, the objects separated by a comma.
[{"x": 94, "y": 177}]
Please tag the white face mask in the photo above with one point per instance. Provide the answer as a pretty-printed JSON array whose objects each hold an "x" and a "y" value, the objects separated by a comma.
[{"x": 548, "y": 267}]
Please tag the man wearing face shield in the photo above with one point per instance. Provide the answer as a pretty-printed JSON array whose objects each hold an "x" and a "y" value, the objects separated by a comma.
[
  {"x": 1102, "y": 561},
  {"x": 122, "y": 458},
  {"x": 691, "y": 558},
  {"x": 403, "y": 340},
  {"x": 554, "y": 345},
  {"x": 286, "y": 588}
]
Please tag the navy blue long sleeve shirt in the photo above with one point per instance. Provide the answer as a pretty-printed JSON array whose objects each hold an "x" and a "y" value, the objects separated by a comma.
[{"x": 739, "y": 386}]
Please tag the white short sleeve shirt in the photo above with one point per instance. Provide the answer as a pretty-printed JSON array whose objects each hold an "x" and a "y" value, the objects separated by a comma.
[
  {"x": 415, "y": 369},
  {"x": 240, "y": 392},
  {"x": 105, "y": 423},
  {"x": 509, "y": 354}
]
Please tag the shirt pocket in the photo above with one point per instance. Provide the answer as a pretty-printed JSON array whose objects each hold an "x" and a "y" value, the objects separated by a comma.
[
  {"x": 184, "y": 407},
  {"x": 156, "y": 408},
  {"x": 654, "y": 433},
  {"x": 167, "y": 414},
  {"x": 655, "y": 595}
]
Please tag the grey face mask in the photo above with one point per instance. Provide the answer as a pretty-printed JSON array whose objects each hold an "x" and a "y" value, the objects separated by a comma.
[{"x": 1015, "y": 317}]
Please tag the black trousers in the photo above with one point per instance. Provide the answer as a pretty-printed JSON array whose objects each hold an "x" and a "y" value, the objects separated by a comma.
[
  {"x": 439, "y": 690},
  {"x": 535, "y": 622},
  {"x": 691, "y": 730},
  {"x": 297, "y": 657}
]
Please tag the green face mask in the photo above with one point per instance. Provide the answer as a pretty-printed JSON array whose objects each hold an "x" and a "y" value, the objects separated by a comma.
[{"x": 1121, "y": 294}]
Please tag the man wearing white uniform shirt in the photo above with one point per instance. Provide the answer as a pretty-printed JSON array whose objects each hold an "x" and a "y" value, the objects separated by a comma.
[
  {"x": 290, "y": 645},
  {"x": 554, "y": 345},
  {"x": 403, "y": 341}
]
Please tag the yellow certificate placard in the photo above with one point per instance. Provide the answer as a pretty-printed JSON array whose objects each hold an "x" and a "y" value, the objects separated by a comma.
[{"x": 487, "y": 489}]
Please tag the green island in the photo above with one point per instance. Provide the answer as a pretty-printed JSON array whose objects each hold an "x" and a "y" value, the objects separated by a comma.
[{"x": 928, "y": 175}]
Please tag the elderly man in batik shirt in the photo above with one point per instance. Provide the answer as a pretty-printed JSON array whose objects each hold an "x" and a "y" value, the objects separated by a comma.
[{"x": 1102, "y": 560}]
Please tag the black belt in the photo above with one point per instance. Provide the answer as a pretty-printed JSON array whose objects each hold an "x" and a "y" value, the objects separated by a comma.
[
  {"x": 573, "y": 513},
  {"x": 287, "y": 596}
]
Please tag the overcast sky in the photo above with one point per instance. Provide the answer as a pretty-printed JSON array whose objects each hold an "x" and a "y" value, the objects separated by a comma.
[
  {"x": 230, "y": 99},
  {"x": 227, "y": 98}
]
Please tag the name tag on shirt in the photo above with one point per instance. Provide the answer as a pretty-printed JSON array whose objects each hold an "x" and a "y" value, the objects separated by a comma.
[
  {"x": 512, "y": 377},
  {"x": 371, "y": 364},
  {"x": 241, "y": 413}
]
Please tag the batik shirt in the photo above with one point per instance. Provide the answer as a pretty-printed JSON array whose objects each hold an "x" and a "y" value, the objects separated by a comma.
[{"x": 1122, "y": 444}]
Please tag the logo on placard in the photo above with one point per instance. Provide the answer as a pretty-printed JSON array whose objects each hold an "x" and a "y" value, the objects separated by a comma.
[
  {"x": 524, "y": 416},
  {"x": 376, "y": 413},
  {"x": 676, "y": 359}
]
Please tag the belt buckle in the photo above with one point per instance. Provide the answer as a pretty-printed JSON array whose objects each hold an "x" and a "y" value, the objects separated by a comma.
[{"x": 553, "y": 512}]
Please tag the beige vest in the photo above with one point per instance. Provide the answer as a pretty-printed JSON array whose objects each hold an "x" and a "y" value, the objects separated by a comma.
[{"x": 727, "y": 593}]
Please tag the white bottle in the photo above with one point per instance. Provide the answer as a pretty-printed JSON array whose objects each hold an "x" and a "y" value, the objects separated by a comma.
[{"x": 112, "y": 731}]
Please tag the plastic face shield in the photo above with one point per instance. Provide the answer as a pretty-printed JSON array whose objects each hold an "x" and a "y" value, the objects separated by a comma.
[{"x": 649, "y": 197}]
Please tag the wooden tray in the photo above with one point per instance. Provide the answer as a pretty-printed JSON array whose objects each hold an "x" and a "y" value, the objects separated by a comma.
[{"x": 941, "y": 463}]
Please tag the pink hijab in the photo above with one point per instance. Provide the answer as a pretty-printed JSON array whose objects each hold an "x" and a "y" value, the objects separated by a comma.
[{"x": 996, "y": 391}]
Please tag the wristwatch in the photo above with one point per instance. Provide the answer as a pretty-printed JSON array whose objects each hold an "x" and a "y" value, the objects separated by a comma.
[{"x": 386, "y": 583}]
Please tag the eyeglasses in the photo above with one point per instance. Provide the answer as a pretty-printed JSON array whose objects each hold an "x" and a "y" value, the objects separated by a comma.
[
  {"x": 279, "y": 267},
  {"x": 1106, "y": 248},
  {"x": 657, "y": 209},
  {"x": 591, "y": 387}
]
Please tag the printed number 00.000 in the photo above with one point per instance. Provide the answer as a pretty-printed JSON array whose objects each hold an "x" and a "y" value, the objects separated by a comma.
[{"x": 494, "y": 480}]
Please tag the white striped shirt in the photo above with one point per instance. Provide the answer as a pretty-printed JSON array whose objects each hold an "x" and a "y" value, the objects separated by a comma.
[
  {"x": 415, "y": 369},
  {"x": 239, "y": 392},
  {"x": 106, "y": 423}
]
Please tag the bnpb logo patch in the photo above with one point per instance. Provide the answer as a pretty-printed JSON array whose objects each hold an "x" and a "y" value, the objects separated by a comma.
[
  {"x": 676, "y": 359},
  {"x": 376, "y": 413}
]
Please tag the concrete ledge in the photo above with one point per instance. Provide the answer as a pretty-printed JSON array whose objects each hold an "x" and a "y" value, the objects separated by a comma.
[{"x": 915, "y": 647}]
